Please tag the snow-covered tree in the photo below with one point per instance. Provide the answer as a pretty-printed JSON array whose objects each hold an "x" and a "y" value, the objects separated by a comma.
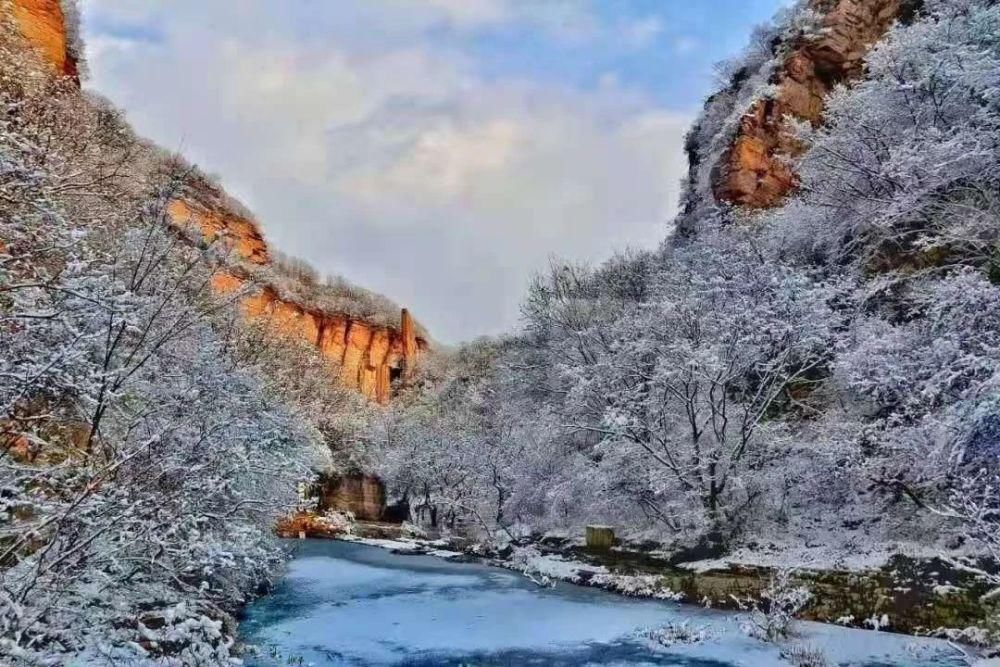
[
  {"x": 904, "y": 173},
  {"x": 141, "y": 464}
]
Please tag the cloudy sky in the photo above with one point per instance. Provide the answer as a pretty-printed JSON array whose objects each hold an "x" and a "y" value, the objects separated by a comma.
[{"x": 437, "y": 151}]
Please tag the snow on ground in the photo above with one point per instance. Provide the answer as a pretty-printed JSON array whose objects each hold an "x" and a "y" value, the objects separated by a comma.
[
  {"x": 546, "y": 567},
  {"x": 813, "y": 558},
  {"x": 389, "y": 608},
  {"x": 423, "y": 547}
]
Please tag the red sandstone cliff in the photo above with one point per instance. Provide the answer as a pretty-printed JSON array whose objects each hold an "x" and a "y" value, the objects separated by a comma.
[
  {"x": 755, "y": 172},
  {"x": 43, "y": 24},
  {"x": 370, "y": 356},
  {"x": 238, "y": 233}
]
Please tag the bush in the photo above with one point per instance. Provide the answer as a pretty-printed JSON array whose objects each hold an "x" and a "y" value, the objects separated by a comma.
[{"x": 772, "y": 617}]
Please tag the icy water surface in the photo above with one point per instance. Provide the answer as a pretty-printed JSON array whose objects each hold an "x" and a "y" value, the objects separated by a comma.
[{"x": 348, "y": 604}]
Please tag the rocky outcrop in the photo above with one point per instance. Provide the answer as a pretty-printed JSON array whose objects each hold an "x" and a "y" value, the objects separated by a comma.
[
  {"x": 756, "y": 172},
  {"x": 411, "y": 346},
  {"x": 43, "y": 24},
  {"x": 361, "y": 495},
  {"x": 368, "y": 356},
  {"x": 235, "y": 232}
]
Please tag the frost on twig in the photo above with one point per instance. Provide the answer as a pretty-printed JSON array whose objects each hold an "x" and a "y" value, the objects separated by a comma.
[
  {"x": 771, "y": 618},
  {"x": 674, "y": 634}
]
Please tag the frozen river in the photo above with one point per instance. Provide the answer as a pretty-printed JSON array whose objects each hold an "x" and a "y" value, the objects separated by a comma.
[{"x": 347, "y": 604}]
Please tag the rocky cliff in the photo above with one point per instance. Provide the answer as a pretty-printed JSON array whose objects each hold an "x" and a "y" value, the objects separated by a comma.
[
  {"x": 370, "y": 352},
  {"x": 361, "y": 495},
  {"x": 43, "y": 23},
  {"x": 238, "y": 233},
  {"x": 757, "y": 169},
  {"x": 369, "y": 355}
]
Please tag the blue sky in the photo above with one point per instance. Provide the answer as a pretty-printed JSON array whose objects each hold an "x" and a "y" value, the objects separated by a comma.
[
  {"x": 667, "y": 49},
  {"x": 438, "y": 151}
]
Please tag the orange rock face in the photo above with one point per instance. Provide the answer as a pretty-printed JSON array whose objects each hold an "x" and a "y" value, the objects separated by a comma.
[
  {"x": 43, "y": 23},
  {"x": 755, "y": 172},
  {"x": 238, "y": 234},
  {"x": 369, "y": 356},
  {"x": 408, "y": 332}
]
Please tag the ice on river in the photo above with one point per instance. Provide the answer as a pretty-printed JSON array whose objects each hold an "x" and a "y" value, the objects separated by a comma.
[{"x": 348, "y": 604}]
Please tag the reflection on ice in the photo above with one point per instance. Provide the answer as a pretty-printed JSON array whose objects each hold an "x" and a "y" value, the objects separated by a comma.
[{"x": 347, "y": 604}]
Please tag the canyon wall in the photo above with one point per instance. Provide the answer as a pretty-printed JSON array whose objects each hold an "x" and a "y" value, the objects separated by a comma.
[
  {"x": 756, "y": 171},
  {"x": 368, "y": 356},
  {"x": 43, "y": 24},
  {"x": 238, "y": 233}
]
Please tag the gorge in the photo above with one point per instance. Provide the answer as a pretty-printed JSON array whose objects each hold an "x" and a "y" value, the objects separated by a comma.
[{"x": 786, "y": 412}]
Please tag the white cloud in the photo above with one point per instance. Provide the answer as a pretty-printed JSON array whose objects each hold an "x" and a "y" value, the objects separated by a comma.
[
  {"x": 468, "y": 12},
  {"x": 441, "y": 165},
  {"x": 684, "y": 45},
  {"x": 389, "y": 160},
  {"x": 641, "y": 33}
]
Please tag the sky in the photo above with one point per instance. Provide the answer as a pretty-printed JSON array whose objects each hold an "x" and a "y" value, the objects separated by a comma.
[{"x": 437, "y": 151}]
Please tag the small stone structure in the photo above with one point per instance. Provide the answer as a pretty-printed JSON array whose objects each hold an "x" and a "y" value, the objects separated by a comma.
[{"x": 600, "y": 537}]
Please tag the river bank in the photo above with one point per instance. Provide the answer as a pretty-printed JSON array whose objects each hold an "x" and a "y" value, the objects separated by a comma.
[
  {"x": 346, "y": 602},
  {"x": 904, "y": 594}
]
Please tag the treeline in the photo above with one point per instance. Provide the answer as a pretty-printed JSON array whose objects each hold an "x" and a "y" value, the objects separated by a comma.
[{"x": 303, "y": 283}]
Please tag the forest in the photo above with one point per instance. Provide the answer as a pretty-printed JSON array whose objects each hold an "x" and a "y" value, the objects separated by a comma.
[{"x": 824, "y": 371}]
